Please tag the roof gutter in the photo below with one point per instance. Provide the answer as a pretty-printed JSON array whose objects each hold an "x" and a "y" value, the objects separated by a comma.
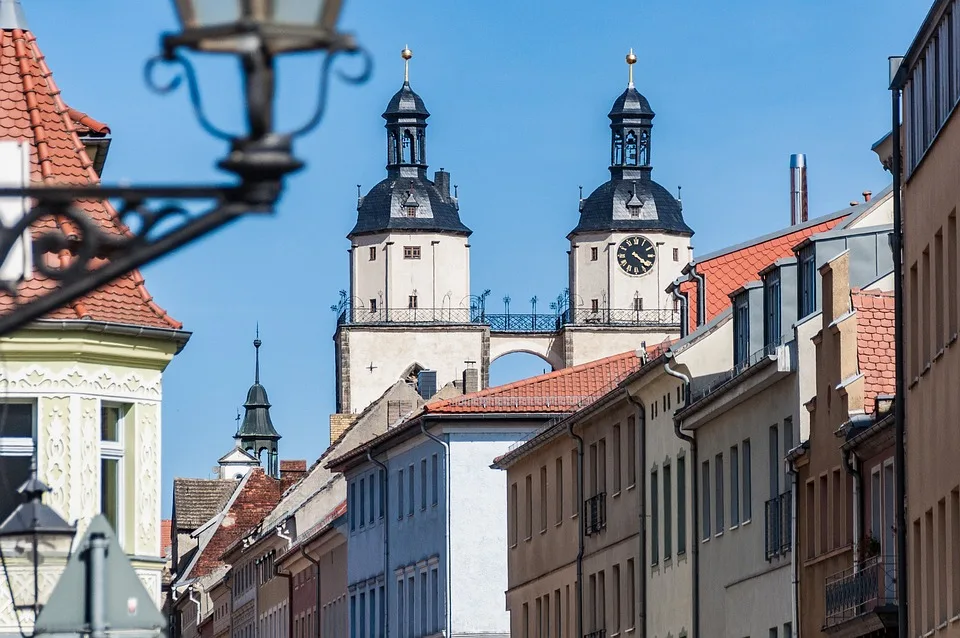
[
  {"x": 678, "y": 430},
  {"x": 180, "y": 337},
  {"x": 701, "y": 295}
]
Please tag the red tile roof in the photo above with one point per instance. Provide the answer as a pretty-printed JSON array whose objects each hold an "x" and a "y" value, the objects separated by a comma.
[
  {"x": 560, "y": 391},
  {"x": 32, "y": 110},
  {"x": 875, "y": 347},
  {"x": 166, "y": 544},
  {"x": 728, "y": 271}
]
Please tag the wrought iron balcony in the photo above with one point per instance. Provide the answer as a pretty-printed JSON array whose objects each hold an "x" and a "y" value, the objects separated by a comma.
[
  {"x": 870, "y": 588},
  {"x": 595, "y": 514},
  {"x": 600, "y": 633},
  {"x": 509, "y": 322},
  {"x": 778, "y": 530}
]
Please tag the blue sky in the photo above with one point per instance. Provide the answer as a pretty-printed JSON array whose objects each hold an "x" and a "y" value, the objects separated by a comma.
[{"x": 519, "y": 94}]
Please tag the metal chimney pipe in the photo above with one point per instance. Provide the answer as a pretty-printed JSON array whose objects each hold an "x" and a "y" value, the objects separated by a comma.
[{"x": 798, "y": 188}]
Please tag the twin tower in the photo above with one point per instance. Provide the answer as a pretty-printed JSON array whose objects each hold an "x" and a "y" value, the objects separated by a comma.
[{"x": 410, "y": 314}]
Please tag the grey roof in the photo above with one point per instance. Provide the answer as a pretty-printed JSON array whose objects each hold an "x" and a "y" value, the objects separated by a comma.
[
  {"x": 196, "y": 501},
  {"x": 256, "y": 422},
  {"x": 383, "y": 208},
  {"x": 12, "y": 16},
  {"x": 406, "y": 102},
  {"x": 606, "y": 208},
  {"x": 631, "y": 102}
]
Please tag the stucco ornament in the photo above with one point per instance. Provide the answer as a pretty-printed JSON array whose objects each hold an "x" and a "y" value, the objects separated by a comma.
[
  {"x": 141, "y": 385},
  {"x": 53, "y": 450},
  {"x": 148, "y": 541}
]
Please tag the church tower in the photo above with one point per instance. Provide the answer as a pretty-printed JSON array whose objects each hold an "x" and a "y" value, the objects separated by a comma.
[
  {"x": 408, "y": 306},
  {"x": 631, "y": 240},
  {"x": 256, "y": 433}
]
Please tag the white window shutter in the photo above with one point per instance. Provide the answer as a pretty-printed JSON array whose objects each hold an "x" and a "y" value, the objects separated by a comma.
[{"x": 15, "y": 173}]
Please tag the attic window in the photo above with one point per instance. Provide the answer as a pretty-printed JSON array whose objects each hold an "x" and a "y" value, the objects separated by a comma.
[
  {"x": 411, "y": 252},
  {"x": 594, "y": 254},
  {"x": 411, "y": 211},
  {"x": 373, "y": 253}
]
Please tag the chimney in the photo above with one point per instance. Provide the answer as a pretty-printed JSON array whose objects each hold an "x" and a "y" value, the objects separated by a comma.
[
  {"x": 867, "y": 195},
  {"x": 471, "y": 378},
  {"x": 441, "y": 179},
  {"x": 798, "y": 189},
  {"x": 291, "y": 472}
]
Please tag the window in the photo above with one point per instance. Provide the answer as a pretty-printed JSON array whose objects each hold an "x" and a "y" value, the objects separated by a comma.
[
  {"x": 383, "y": 496},
  {"x": 526, "y": 621},
  {"x": 718, "y": 471},
  {"x": 423, "y": 602},
  {"x": 747, "y": 488},
  {"x": 741, "y": 331},
  {"x": 667, "y": 512},
  {"x": 363, "y": 503},
  {"x": 681, "y": 505},
  {"x": 411, "y": 252},
  {"x": 372, "y": 486},
  {"x": 676, "y": 254},
  {"x": 401, "y": 616},
  {"x": 810, "y": 515},
  {"x": 631, "y": 451},
  {"x": 574, "y": 497},
  {"x": 513, "y": 515},
  {"x": 528, "y": 507},
  {"x": 373, "y": 253},
  {"x": 616, "y": 599},
  {"x": 914, "y": 297},
  {"x": 595, "y": 305},
  {"x": 734, "y": 486},
  {"x": 373, "y": 306},
  {"x": 435, "y": 584},
  {"x": 654, "y": 519},
  {"x": 558, "y": 489},
  {"x": 942, "y": 560},
  {"x": 771, "y": 301},
  {"x": 361, "y": 613},
  {"x": 400, "y": 493},
  {"x": 412, "y": 302},
  {"x": 602, "y": 465},
  {"x": 616, "y": 458},
  {"x": 423, "y": 484},
  {"x": 705, "y": 500},
  {"x": 16, "y": 451},
  {"x": 940, "y": 293},
  {"x": 353, "y": 617},
  {"x": 925, "y": 327},
  {"x": 111, "y": 465},
  {"x": 410, "y": 485},
  {"x": 411, "y": 605},
  {"x": 594, "y": 254},
  {"x": 774, "y": 462},
  {"x": 788, "y": 444},
  {"x": 808, "y": 281},
  {"x": 557, "y": 621},
  {"x": 637, "y": 304},
  {"x": 435, "y": 474},
  {"x": 543, "y": 498},
  {"x": 952, "y": 273},
  {"x": 955, "y": 547}
]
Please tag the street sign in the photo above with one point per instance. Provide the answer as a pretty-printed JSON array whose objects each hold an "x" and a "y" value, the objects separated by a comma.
[{"x": 99, "y": 591}]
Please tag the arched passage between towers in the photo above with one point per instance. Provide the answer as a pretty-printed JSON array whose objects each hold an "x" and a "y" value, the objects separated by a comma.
[{"x": 547, "y": 347}]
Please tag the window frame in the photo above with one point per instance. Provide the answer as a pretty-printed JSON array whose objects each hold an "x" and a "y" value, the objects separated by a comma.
[
  {"x": 115, "y": 450},
  {"x": 412, "y": 252}
]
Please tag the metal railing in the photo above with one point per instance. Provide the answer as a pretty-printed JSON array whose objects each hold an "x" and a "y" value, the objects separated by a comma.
[
  {"x": 595, "y": 514},
  {"x": 870, "y": 587},
  {"x": 510, "y": 322},
  {"x": 739, "y": 368},
  {"x": 599, "y": 633},
  {"x": 778, "y": 531}
]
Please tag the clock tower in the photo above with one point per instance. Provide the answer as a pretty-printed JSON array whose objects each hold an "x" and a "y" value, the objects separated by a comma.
[{"x": 631, "y": 241}]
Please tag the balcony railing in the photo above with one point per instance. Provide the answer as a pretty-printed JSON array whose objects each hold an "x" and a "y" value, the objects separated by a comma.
[
  {"x": 600, "y": 633},
  {"x": 595, "y": 514},
  {"x": 870, "y": 588},
  {"x": 509, "y": 322},
  {"x": 778, "y": 530}
]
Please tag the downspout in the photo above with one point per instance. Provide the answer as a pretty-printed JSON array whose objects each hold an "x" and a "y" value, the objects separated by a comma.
[
  {"x": 852, "y": 465},
  {"x": 580, "y": 526},
  {"x": 384, "y": 485},
  {"x": 196, "y": 602},
  {"x": 897, "y": 72},
  {"x": 446, "y": 475},
  {"x": 677, "y": 428},
  {"x": 794, "y": 545},
  {"x": 701, "y": 296},
  {"x": 174, "y": 616},
  {"x": 279, "y": 530},
  {"x": 642, "y": 436},
  {"x": 316, "y": 565},
  {"x": 684, "y": 309}
]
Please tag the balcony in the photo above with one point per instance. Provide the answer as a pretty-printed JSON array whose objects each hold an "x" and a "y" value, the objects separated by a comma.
[
  {"x": 600, "y": 633},
  {"x": 595, "y": 514},
  {"x": 777, "y": 516},
  {"x": 509, "y": 322},
  {"x": 862, "y": 600}
]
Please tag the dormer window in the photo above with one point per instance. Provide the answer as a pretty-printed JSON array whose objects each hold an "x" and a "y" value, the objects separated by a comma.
[
  {"x": 808, "y": 280},
  {"x": 772, "y": 332},
  {"x": 741, "y": 330}
]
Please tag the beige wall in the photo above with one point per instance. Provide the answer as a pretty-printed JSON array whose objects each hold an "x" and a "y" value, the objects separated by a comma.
[{"x": 585, "y": 344}]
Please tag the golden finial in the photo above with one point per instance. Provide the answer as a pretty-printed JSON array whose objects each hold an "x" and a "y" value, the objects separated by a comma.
[
  {"x": 406, "y": 54},
  {"x": 631, "y": 60}
]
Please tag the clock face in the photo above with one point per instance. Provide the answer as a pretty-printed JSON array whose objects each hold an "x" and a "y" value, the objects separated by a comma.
[{"x": 636, "y": 255}]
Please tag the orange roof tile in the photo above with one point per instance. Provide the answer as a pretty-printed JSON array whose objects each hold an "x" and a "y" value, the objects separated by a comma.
[
  {"x": 728, "y": 271},
  {"x": 560, "y": 391},
  {"x": 875, "y": 345},
  {"x": 32, "y": 110}
]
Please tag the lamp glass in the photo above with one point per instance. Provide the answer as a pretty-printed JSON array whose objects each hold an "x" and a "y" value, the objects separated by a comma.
[
  {"x": 195, "y": 14},
  {"x": 307, "y": 13},
  {"x": 322, "y": 14}
]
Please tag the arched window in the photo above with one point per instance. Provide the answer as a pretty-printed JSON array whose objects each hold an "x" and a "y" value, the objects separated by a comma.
[
  {"x": 631, "y": 149},
  {"x": 393, "y": 148},
  {"x": 617, "y": 149},
  {"x": 407, "y": 157},
  {"x": 421, "y": 148},
  {"x": 644, "y": 148}
]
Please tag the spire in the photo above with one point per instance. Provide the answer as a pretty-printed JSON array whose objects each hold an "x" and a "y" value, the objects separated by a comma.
[
  {"x": 406, "y": 54},
  {"x": 256, "y": 433},
  {"x": 256, "y": 344},
  {"x": 631, "y": 60},
  {"x": 406, "y": 117},
  {"x": 631, "y": 121}
]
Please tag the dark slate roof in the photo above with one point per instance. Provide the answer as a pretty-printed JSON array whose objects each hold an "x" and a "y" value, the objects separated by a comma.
[
  {"x": 256, "y": 422},
  {"x": 382, "y": 208},
  {"x": 631, "y": 102},
  {"x": 406, "y": 102},
  {"x": 606, "y": 208},
  {"x": 196, "y": 501}
]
